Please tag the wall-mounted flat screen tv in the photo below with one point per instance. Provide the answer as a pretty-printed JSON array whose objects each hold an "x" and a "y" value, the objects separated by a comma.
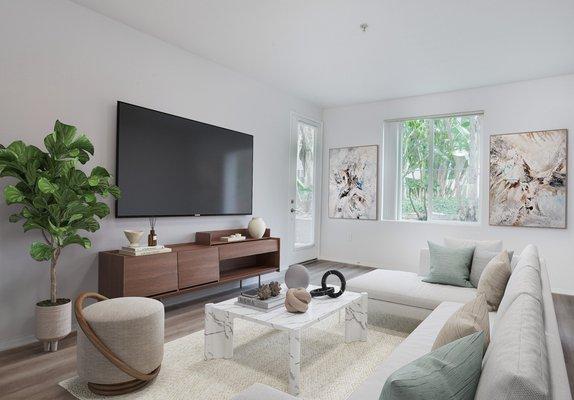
[{"x": 173, "y": 166}]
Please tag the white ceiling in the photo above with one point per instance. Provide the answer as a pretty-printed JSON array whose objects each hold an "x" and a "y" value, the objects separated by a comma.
[{"x": 316, "y": 50}]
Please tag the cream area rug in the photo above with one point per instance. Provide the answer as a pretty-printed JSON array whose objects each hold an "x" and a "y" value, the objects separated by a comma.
[{"x": 330, "y": 368}]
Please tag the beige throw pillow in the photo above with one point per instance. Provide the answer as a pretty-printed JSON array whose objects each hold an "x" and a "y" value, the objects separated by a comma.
[
  {"x": 494, "y": 279},
  {"x": 469, "y": 319}
]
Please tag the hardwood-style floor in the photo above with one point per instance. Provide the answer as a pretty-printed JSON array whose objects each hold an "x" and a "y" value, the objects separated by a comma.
[{"x": 29, "y": 373}]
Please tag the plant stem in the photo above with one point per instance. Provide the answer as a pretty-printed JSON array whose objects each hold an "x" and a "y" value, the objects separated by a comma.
[{"x": 53, "y": 287}]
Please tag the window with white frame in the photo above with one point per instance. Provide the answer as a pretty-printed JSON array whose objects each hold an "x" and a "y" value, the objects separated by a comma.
[{"x": 437, "y": 170}]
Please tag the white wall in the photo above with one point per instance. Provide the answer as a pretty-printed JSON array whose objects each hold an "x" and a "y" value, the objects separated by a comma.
[
  {"x": 60, "y": 60},
  {"x": 525, "y": 106}
]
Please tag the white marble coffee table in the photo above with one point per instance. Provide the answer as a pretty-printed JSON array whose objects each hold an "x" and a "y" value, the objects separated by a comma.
[{"x": 219, "y": 325}]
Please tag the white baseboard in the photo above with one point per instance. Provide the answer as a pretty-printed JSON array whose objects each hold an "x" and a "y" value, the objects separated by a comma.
[{"x": 567, "y": 292}]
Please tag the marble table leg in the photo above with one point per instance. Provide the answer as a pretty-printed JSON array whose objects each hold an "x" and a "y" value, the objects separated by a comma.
[
  {"x": 218, "y": 333},
  {"x": 356, "y": 320},
  {"x": 294, "y": 361}
]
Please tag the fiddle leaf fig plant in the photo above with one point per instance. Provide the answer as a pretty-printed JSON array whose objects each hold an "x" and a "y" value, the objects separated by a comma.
[{"x": 54, "y": 196}]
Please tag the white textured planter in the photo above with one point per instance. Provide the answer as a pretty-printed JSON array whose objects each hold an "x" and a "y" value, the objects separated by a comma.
[
  {"x": 256, "y": 227},
  {"x": 53, "y": 323}
]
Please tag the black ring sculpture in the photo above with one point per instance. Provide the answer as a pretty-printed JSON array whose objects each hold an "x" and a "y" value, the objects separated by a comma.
[{"x": 325, "y": 290}]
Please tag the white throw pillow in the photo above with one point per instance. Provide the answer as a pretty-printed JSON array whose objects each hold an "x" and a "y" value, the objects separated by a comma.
[{"x": 488, "y": 245}]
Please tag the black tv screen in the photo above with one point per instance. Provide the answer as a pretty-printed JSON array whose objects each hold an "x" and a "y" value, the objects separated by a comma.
[{"x": 173, "y": 166}]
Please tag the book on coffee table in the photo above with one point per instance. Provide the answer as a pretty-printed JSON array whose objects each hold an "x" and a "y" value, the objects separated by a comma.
[{"x": 267, "y": 304}]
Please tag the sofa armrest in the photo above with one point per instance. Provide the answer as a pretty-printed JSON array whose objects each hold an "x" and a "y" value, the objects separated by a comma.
[
  {"x": 263, "y": 392},
  {"x": 424, "y": 262}
]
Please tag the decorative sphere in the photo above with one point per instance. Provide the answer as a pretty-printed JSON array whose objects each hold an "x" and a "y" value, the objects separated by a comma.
[
  {"x": 297, "y": 300},
  {"x": 297, "y": 276}
]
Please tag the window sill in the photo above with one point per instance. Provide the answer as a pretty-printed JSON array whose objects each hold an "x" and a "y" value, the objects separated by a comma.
[{"x": 446, "y": 223}]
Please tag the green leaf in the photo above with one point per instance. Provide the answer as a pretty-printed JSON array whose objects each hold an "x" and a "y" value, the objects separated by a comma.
[
  {"x": 29, "y": 225},
  {"x": 77, "y": 239},
  {"x": 18, "y": 148},
  {"x": 46, "y": 186},
  {"x": 101, "y": 209},
  {"x": 90, "y": 198},
  {"x": 87, "y": 224},
  {"x": 13, "y": 195},
  {"x": 64, "y": 133},
  {"x": 101, "y": 172},
  {"x": 93, "y": 180},
  {"x": 83, "y": 143},
  {"x": 41, "y": 251},
  {"x": 75, "y": 217},
  {"x": 115, "y": 191},
  {"x": 14, "y": 218}
]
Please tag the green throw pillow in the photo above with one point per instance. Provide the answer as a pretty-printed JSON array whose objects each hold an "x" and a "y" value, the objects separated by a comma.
[
  {"x": 450, "y": 266},
  {"x": 450, "y": 372}
]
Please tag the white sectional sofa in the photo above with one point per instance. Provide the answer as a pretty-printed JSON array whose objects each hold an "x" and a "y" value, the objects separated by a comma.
[{"x": 524, "y": 359}]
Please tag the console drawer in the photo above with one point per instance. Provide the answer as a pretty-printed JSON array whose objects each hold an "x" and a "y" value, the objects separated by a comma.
[
  {"x": 197, "y": 267},
  {"x": 150, "y": 275},
  {"x": 243, "y": 249}
]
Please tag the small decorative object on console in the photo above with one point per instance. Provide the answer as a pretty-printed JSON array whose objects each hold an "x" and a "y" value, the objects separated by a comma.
[
  {"x": 256, "y": 227},
  {"x": 297, "y": 276},
  {"x": 297, "y": 300},
  {"x": 275, "y": 288},
  {"x": 152, "y": 237},
  {"x": 325, "y": 290},
  {"x": 133, "y": 237},
  {"x": 236, "y": 237},
  {"x": 264, "y": 292}
]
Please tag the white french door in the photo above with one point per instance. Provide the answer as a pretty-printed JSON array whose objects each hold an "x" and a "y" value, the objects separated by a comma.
[{"x": 305, "y": 187}]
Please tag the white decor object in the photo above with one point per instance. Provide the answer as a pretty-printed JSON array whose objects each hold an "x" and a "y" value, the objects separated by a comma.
[
  {"x": 256, "y": 227},
  {"x": 297, "y": 276},
  {"x": 53, "y": 323},
  {"x": 236, "y": 237},
  {"x": 133, "y": 237},
  {"x": 219, "y": 326},
  {"x": 330, "y": 371},
  {"x": 353, "y": 180}
]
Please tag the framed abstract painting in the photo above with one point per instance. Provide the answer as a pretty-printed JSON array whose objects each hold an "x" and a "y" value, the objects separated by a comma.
[
  {"x": 528, "y": 179},
  {"x": 353, "y": 182}
]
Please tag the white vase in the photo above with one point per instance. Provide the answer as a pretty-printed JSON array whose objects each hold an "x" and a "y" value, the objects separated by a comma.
[
  {"x": 256, "y": 227},
  {"x": 53, "y": 323}
]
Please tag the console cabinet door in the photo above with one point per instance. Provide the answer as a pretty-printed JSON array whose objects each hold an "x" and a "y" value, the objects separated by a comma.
[
  {"x": 196, "y": 267},
  {"x": 150, "y": 275}
]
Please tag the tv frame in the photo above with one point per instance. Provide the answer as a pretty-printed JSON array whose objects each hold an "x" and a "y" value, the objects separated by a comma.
[{"x": 187, "y": 119}]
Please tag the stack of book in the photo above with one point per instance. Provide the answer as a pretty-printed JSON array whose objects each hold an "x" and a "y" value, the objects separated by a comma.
[
  {"x": 250, "y": 299},
  {"x": 144, "y": 250}
]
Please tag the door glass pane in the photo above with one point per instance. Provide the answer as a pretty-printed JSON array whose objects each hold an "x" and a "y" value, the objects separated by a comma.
[{"x": 304, "y": 186}]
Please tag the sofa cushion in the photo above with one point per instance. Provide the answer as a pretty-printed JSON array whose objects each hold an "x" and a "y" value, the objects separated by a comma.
[
  {"x": 407, "y": 288},
  {"x": 417, "y": 344},
  {"x": 262, "y": 392},
  {"x": 494, "y": 279},
  {"x": 449, "y": 372},
  {"x": 480, "y": 260},
  {"x": 470, "y": 318},
  {"x": 515, "y": 365},
  {"x": 524, "y": 280},
  {"x": 449, "y": 266},
  {"x": 528, "y": 257},
  {"x": 488, "y": 245}
]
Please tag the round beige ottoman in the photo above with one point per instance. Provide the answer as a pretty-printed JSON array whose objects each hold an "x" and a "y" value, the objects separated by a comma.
[{"x": 120, "y": 343}]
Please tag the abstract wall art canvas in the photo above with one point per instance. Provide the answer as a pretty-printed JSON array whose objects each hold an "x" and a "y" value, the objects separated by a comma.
[
  {"x": 528, "y": 179},
  {"x": 353, "y": 179}
]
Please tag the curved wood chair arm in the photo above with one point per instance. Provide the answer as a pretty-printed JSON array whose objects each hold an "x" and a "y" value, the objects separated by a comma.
[{"x": 98, "y": 344}]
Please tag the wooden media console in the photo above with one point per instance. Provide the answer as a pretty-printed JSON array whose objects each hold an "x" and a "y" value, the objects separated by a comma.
[{"x": 208, "y": 261}]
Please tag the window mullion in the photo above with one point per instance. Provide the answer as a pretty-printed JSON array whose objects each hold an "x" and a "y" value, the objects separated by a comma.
[{"x": 431, "y": 168}]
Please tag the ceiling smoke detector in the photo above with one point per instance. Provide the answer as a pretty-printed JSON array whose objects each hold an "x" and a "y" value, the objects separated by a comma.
[{"x": 364, "y": 26}]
